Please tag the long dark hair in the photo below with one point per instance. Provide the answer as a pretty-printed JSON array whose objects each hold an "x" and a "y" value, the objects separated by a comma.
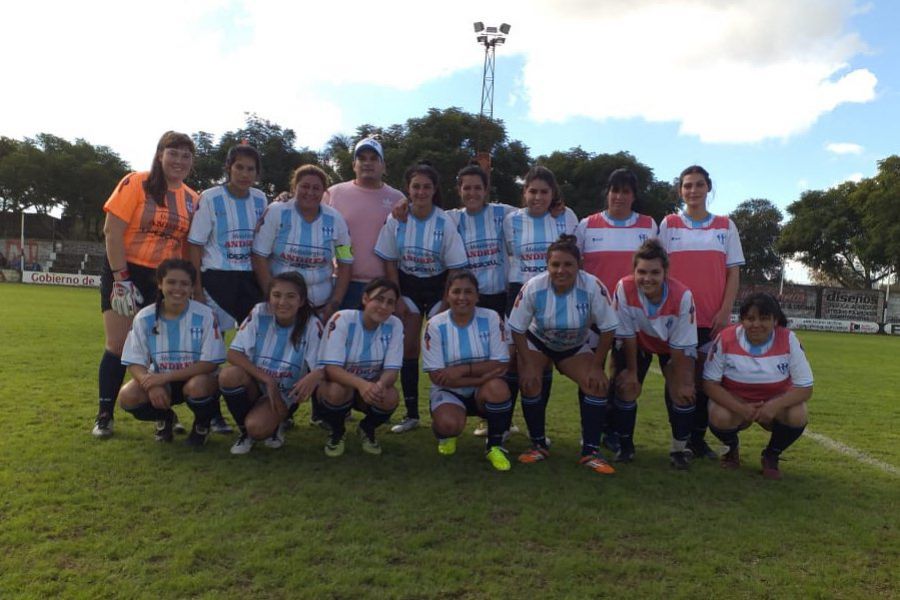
[
  {"x": 305, "y": 312},
  {"x": 424, "y": 167},
  {"x": 245, "y": 150},
  {"x": 620, "y": 179},
  {"x": 547, "y": 176},
  {"x": 651, "y": 249},
  {"x": 568, "y": 244},
  {"x": 170, "y": 264},
  {"x": 766, "y": 305},
  {"x": 156, "y": 185}
]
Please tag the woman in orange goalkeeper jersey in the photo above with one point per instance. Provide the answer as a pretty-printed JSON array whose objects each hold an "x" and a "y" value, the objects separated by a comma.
[{"x": 148, "y": 217}]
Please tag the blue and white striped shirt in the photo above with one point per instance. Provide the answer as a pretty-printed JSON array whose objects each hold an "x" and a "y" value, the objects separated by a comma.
[
  {"x": 362, "y": 352},
  {"x": 527, "y": 240},
  {"x": 482, "y": 236},
  {"x": 224, "y": 226},
  {"x": 422, "y": 247}
]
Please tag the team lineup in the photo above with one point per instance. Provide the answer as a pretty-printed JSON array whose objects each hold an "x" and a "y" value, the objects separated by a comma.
[{"x": 340, "y": 291}]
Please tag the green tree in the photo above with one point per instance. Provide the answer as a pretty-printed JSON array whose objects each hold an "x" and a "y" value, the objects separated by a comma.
[
  {"x": 582, "y": 177},
  {"x": 828, "y": 233},
  {"x": 759, "y": 224},
  {"x": 878, "y": 200}
]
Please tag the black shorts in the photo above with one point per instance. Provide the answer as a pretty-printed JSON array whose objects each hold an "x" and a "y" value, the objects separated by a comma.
[
  {"x": 440, "y": 396},
  {"x": 425, "y": 292},
  {"x": 704, "y": 336},
  {"x": 142, "y": 277},
  {"x": 644, "y": 359},
  {"x": 512, "y": 292},
  {"x": 236, "y": 292},
  {"x": 554, "y": 355},
  {"x": 495, "y": 302},
  {"x": 176, "y": 392}
]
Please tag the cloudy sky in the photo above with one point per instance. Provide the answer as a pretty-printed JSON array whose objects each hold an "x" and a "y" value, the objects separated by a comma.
[{"x": 772, "y": 96}]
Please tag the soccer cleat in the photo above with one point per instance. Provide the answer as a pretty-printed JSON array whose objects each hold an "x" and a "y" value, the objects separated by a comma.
[
  {"x": 276, "y": 440},
  {"x": 447, "y": 446},
  {"x": 770, "y": 468},
  {"x": 407, "y": 424},
  {"x": 164, "y": 431},
  {"x": 369, "y": 444},
  {"x": 334, "y": 448},
  {"x": 624, "y": 454},
  {"x": 242, "y": 445},
  {"x": 597, "y": 464},
  {"x": 533, "y": 455},
  {"x": 197, "y": 437},
  {"x": 702, "y": 450},
  {"x": 481, "y": 429},
  {"x": 679, "y": 461},
  {"x": 177, "y": 427},
  {"x": 218, "y": 424},
  {"x": 498, "y": 459},
  {"x": 731, "y": 459},
  {"x": 103, "y": 426}
]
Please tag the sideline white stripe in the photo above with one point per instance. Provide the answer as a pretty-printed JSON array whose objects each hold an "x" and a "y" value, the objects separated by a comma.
[
  {"x": 852, "y": 452},
  {"x": 838, "y": 447}
]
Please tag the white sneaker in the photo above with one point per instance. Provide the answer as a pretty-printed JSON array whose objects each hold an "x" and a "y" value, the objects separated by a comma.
[
  {"x": 103, "y": 426},
  {"x": 277, "y": 440},
  {"x": 242, "y": 445},
  {"x": 405, "y": 425},
  {"x": 480, "y": 429}
]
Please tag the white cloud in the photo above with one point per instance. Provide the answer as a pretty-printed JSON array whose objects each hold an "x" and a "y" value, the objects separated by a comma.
[
  {"x": 726, "y": 71},
  {"x": 854, "y": 177},
  {"x": 844, "y": 148}
]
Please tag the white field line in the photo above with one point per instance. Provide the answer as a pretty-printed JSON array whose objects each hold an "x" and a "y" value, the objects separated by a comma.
[{"x": 837, "y": 446}]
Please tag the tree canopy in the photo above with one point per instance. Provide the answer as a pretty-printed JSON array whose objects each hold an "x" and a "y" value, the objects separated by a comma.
[{"x": 759, "y": 224}]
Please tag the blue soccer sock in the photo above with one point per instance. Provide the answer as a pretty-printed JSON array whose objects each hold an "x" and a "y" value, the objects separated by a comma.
[
  {"x": 626, "y": 417},
  {"x": 374, "y": 418},
  {"x": 534, "y": 409},
  {"x": 409, "y": 382},
  {"x": 238, "y": 403},
  {"x": 146, "y": 412},
  {"x": 782, "y": 438},
  {"x": 593, "y": 418},
  {"x": 110, "y": 376},
  {"x": 335, "y": 416},
  {"x": 701, "y": 417},
  {"x": 498, "y": 418},
  {"x": 204, "y": 408},
  {"x": 729, "y": 437}
]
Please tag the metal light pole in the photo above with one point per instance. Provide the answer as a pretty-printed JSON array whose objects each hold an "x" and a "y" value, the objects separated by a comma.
[{"x": 490, "y": 38}]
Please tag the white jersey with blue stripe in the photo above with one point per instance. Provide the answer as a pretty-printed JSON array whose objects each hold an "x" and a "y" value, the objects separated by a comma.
[
  {"x": 563, "y": 321},
  {"x": 268, "y": 346},
  {"x": 224, "y": 226},
  {"x": 446, "y": 344},
  {"x": 178, "y": 343},
  {"x": 422, "y": 247},
  {"x": 294, "y": 244},
  {"x": 482, "y": 236},
  {"x": 362, "y": 352},
  {"x": 527, "y": 239}
]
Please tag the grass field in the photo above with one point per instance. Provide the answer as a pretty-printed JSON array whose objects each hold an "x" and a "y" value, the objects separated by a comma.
[{"x": 132, "y": 518}]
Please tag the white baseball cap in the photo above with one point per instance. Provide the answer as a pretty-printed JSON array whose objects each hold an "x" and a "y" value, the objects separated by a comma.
[{"x": 369, "y": 144}]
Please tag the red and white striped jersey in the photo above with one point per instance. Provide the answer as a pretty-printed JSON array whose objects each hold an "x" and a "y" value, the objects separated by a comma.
[
  {"x": 700, "y": 253},
  {"x": 608, "y": 245},
  {"x": 758, "y": 373},
  {"x": 658, "y": 327}
]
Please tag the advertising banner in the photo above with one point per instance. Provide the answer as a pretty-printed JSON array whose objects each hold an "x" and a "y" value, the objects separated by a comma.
[
  {"x": 834, "y": 325},
  {"x": 72, "y": 279},
  {"x": 796, "y": 300},
  {"x": 852, "y": 305}
]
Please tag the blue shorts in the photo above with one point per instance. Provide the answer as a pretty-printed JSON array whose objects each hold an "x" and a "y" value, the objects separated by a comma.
[
  {"x": 556, "y": 356},
  {"x": 440, "y": 396}
]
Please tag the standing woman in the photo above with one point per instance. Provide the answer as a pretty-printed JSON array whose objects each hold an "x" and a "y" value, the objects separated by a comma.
[
  {"x": 307, "y": 237},
  {"x": 551, "y": 322},
  {"x": 417, "y": 256},
  {"x": 466, "y": 357},
  {"x": 705, "y": 254},
  {"x": 608, "y": 240},
  {"x": 221, "y": 236},
  {"x": 171, "y": 352},
  {"x": 273, "y": 361},
  {"x": 148, "y": 217},
  {"x": 757, "y": 372},
  {"x": 361, "y": 354}
]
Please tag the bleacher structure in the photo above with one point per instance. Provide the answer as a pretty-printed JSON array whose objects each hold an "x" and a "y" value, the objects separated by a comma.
[{"x": 76, "y": 257}]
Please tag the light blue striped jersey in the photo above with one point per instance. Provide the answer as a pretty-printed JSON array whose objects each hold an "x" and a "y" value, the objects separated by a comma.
[
  {"x": 527, "y": 239},
  {"x": 268, "y": 346},
  {"x": 364, "y": 353},
  {"x": 563, "y": 321},
  {"x": 422, "y": 247},
  {"x": 294, "y": 244},
  {"x": 178, "y": 343},
  {"x": 482, "y": 236},
  {"x": 446, "y": 344},
  {"x": 224, "y": 226}
]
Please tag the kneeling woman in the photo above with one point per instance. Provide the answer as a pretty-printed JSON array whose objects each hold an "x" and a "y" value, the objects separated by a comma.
[
  {"x": 171, "y": 352},
  {"x": 656, "y": 316},
  {"x": 361, "y": 353},
  {"x": 551, "y": 322},
  {"x": 277, "y": 349},
  {"x": 757, "y": 372},
  {"x": 465, "y": 355}
]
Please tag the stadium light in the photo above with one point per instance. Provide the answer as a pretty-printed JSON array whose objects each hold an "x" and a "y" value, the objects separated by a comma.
[
  {"x": 479, "y": 26},
  {"x": 490, "y": 38}
]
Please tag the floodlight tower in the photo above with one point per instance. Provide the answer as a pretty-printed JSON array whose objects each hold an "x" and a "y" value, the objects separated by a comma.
[{"x": 490, "y": 38}]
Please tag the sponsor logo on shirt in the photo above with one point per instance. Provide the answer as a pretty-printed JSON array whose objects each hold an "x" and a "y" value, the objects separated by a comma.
[{"x": 783, "y": 368}]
